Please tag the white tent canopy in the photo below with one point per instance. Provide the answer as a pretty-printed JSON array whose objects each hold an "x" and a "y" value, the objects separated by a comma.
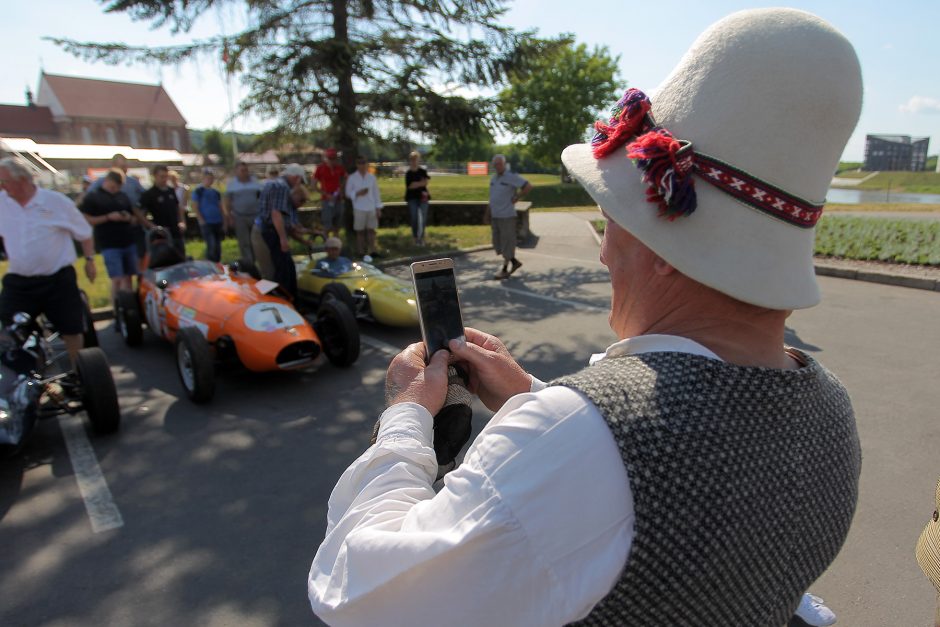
[{"x": 88, "y": 152}]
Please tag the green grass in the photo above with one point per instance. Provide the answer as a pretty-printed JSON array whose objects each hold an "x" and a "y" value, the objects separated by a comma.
[
  {"x": 547, "y": 190},
  {"x": 879, "y": 239},
  {"x": 907, "y": 182},
  {"x": 845, "y": 166},
  {"x": 852, "y": 174},
  {"x": 914, "y": 242}
]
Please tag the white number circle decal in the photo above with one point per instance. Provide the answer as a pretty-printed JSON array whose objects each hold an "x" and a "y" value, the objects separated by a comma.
[{"x": 271, "y": 317}]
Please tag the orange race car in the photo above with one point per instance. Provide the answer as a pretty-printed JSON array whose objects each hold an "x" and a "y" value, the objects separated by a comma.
[{"x": 212, "y": 313}]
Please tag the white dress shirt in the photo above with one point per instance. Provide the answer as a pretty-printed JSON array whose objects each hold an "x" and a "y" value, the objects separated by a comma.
[
  {"x": 367, "y": 202},
  {"x": 38, "y": 237},
  {"x": 533, "y": 528}
]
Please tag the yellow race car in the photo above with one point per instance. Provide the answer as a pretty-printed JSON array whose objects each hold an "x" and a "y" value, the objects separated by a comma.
[{"x": 366, "y": 290}]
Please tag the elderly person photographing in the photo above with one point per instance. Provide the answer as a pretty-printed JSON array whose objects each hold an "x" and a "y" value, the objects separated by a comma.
[
  {"x": 506, "y": 187},
  {"x": 38, "y": 227},
  {"x": 700, "y": 472}
]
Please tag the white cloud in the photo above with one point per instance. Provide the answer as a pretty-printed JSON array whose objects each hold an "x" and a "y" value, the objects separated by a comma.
[{"x": 921, "y": 104}]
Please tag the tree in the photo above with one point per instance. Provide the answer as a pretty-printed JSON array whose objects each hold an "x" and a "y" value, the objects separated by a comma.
[
  {"x": 467, "y": 146},
  {"x": 218, "y": 144},
  {"x": 353, "y": 68},
  {"x": 556, "y": 100}
]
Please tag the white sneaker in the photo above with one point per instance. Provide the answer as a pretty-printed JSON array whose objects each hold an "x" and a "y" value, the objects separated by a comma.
[{"x": 814, "y": 612}]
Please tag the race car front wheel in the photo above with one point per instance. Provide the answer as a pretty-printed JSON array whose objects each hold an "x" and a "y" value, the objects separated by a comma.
[
  {"x": 195, "y": 365},
  {"x": 338, "y": 332},
  {"x": 89, "y": 335},
  {"x": 338, "y": 291},
  {"x": 99, "y": 396},
  {"x": 128, "y": 318}
]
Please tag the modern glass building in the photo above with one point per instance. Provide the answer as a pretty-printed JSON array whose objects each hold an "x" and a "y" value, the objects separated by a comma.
[{"x": 895, "y": 152}]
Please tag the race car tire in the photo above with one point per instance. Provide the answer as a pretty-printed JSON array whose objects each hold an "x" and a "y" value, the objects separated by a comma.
[
  {"x": 128, "y": 319},
  {"x": 195, "y": 365},
  {"x": 339, "y": 292},
  {"x": 89, "y": 335},
  {"x": 99, "y": 396},
  {"x": 338, "y": 332},
  {"x": 249, "y": 268}
]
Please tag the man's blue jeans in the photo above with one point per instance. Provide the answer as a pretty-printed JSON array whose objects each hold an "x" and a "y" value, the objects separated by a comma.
[
  {"x": 419, "y": 216},
  {"x": 212, "y": 234}
]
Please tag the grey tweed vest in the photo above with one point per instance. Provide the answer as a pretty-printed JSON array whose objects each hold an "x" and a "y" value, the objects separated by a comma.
[{"x": 744, "y": 484}]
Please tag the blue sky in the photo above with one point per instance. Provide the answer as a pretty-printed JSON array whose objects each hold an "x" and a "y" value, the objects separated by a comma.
[{"x": 898, "y": 43}]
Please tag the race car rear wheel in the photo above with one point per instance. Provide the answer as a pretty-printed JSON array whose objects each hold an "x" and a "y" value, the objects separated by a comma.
[
  {"x": 128, "y": 318},
  {"x": 339, "y": 292},
  {"x": 89, "y": 335},
  {"x": 99, "y": 396},
  {"x": 195, "y": 365},
  {"x": 338, "y": 332}
]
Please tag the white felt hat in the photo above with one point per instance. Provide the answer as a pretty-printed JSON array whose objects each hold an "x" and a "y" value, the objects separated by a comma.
[
  {"x": 295, "y": 169},
  {"x": 775, "y": 93}
]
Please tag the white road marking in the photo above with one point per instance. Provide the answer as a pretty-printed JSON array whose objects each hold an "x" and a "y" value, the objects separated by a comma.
[
  {"x": 102, "y": 511},
  {"x": 379, "y": 345}
]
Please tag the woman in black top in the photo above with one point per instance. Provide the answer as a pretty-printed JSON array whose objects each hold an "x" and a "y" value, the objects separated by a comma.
[{"x": 417, "y": 197}]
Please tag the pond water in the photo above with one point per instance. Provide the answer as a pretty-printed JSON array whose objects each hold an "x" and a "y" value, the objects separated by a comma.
[{"x": 858, "y": 196}]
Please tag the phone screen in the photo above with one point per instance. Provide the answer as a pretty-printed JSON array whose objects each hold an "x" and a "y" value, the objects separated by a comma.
[{"x": 438, "y": 307}]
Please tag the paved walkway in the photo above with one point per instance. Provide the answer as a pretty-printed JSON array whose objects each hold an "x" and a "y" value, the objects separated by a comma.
[{"x": 846, "y": 182}]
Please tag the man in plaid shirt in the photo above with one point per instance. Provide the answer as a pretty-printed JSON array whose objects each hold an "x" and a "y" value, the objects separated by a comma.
[{"x": 278, "y": 218}]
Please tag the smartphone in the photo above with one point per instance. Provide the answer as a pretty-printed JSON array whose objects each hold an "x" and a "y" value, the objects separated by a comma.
[{"x": 438, "y": 303}]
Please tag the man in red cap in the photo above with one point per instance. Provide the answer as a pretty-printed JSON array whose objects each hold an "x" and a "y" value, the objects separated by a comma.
[{"x": 328, "y": 179}]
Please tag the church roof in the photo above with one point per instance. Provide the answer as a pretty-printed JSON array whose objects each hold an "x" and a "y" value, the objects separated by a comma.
[{"x": 113, "y": 100}]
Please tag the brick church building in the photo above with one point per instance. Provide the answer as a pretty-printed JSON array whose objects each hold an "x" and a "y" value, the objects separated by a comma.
[{"x": 71, "y": 110}]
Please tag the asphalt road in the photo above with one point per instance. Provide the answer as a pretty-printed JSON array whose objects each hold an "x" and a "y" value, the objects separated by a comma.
[{"x": 223, "y": 505}]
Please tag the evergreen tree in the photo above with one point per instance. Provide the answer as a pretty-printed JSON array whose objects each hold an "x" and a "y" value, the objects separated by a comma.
[{"x": 353, "y": 68}]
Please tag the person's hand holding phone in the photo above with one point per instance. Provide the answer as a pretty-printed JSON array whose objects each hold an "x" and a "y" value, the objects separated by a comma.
[
  {"x": 494, "y": 375},
  {"x": 410, "y": 380}
]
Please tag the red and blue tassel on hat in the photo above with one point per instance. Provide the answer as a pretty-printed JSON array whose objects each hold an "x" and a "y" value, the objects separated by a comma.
[{"x": 668, "y": 165}]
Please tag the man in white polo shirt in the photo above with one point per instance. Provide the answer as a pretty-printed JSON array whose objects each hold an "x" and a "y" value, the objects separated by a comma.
[
  {"x": 38, "y": 226},
  {"x": 363, "y": 190}
]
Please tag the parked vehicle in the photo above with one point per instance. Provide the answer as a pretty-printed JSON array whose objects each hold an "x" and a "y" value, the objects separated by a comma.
[
  {"x": 33, "y": 387},
  {"x": 369, "y": 292},
  {"x": 214, "y": 313}
]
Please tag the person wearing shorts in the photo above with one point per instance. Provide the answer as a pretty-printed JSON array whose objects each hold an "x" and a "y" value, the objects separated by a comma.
[
  {"x": 506, "y": 187},
  {"x": 109, "y": 211},
  {"x": 328, "y": 180},
  {"x": 37, "y": 226},
  {"x": 363, "y": 190}
]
